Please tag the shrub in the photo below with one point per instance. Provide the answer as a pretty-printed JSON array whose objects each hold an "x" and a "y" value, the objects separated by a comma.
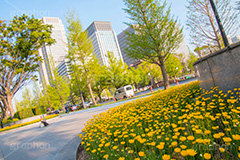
[
  {"x": 4, "y": 121},
  {"x": 40, "y": 110},
  {"x": 179, "y": 123},
  {"x": 26, "y": 113},
  {"x": 15, "y": 120}
]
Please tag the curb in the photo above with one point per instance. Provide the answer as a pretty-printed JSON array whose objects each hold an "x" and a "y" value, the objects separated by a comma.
[{"x": 69, "y": 151}]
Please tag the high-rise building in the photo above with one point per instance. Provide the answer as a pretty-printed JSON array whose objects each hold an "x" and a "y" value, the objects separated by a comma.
[
  {"x": 122, "y": 39},
  {"x": 56, "y": 52},
  {"x": 104, "y": 40}
]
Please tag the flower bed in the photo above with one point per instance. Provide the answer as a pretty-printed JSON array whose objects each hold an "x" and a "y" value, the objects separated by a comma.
[
  {"x": 180, "y": 123},
  {"x": 27, "y": 123}
]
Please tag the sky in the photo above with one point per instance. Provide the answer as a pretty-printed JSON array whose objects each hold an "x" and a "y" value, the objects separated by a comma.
[{"x": 87, "y": 11}]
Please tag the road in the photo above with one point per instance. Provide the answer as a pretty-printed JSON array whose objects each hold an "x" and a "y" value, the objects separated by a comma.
[{"x": 56, "y": 141}]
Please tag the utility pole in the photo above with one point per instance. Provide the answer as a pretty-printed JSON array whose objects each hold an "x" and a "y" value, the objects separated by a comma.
[{"x": 225, "y": 40}]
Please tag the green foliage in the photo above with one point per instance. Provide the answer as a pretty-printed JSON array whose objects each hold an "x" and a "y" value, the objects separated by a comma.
[
  {"x": 157, "y": 34},
  {"x": 59, "y": 90},
  {"x": 82, "y": 61},
  {"x": 173, "y": 66},
  {"x": 39, "y": 110},
  {"x": 26, "y": 113},
  {"x": 117, "y": 71},
  {"x": 20, "y": 40},
  {"x": 191, "y": 59}
]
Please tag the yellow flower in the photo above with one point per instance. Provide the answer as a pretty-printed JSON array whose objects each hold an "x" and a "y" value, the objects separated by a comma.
[
  {"x": 177, "y": 150},
  {"x": 115, "y": 147},
  {"x": 131, "y": 141},
  {"x": 239, "y": 155},
  {"x": 191, "y": 152},
  {"x": 182, "y": 139},
  {"x": 207, "y": 156},
  {"x": 141, "y": 154},
  {"x": 153, "y": 144},
  {"x": 174, "y": 144},
  {"x": 236, "y": 137},
  {"x": 184, "y": 153},
  {"x": 143, "y": 140},
  {"x": 227, "y": 139},
  {"x": 222, "y": 149},
  {"x": 137, "y": 159},
  {"x": 199, "y": 131},
  {"x": 216, "y": 135},
  {"x": 183, "y": 146},
  {"x": 107, "y": 144},
  {"x": 121, "y": 158},
  {"x": 93, "y": 151},
  {"x": 190, "y": 138},
  {"x": 166, "y": 157},
  {"x": 106, "y": 156},
  {"x": 207, "y": 132},
  {"x": 122, "y": 143},
  {"x": 160, "y": 146}
]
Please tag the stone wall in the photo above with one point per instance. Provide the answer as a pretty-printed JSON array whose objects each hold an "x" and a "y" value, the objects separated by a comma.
[{"x": 221, "y": 69}]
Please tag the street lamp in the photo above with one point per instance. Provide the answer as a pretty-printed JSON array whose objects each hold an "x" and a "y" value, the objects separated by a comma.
[{"x": 225, "y": 40}]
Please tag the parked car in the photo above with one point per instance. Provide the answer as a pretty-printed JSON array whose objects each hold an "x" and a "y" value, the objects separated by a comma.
[
  {"x": 73, "y": 107},
  {"x": 124, "y": 92},
  {"x": 87, "y": 104}
]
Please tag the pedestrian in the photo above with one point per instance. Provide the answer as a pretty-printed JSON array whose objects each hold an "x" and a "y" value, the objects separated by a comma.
[
  {"x": 43, "y": 120},
  {"x": 66, "y": 108}
]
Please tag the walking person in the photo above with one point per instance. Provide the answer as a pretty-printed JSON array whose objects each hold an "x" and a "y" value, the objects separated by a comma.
[{"x": 43, "y": 120}]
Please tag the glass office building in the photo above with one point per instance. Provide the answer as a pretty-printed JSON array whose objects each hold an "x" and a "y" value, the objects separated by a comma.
[
  {"x": 104, "y": 40},
  {"x": 57, "y": 51}
]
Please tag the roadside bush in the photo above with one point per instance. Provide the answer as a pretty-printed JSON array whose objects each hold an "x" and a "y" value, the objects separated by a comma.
[
  {"x": 180, "y": 123},
  {"x": 26, "y": 113},
  {"x": 4, "y": 121},
  {"x": 40, "y": 110},
  {"x": 27, "y": 123}
]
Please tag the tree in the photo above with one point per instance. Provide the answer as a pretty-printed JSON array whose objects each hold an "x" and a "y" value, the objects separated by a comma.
[
  {"x": 100, "y": 83},
  {"x": 59, "y": 90},
  {"x": 20, "y": 40},
  {"x": 117, "y": 71},
  {"x": 156, "y": 36},
  {"x": 203, "y": 26},
  {"x": 81, "y": 51},
  {"x": 191, "y": 59},
  {"x": 173, "y": 66}
]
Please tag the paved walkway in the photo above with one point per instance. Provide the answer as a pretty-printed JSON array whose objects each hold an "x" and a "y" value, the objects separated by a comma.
[{"x": 57, "y": 141}]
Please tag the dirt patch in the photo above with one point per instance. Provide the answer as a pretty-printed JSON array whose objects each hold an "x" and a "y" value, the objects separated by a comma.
[{"x": 81, "y": 153}]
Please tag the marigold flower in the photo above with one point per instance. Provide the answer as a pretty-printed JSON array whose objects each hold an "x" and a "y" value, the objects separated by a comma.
[
  {"x": 166, "y": 157},
  {"x": 236, "y": 137},
  {"x": 141, "y": 154},
  {"x": 207, "y": 156},
  {"x": 191, "y": 152},
  {"x": 184, "y": 153}
]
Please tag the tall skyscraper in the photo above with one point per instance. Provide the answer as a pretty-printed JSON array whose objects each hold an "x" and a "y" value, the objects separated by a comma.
[
  {"x": 104, "y": 40},
  {"x": 57, "y": 52},
  {"x": 122, "y": 39}
]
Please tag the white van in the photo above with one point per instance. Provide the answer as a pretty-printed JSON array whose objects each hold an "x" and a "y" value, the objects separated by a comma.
[{"x": 124, "y": 92}]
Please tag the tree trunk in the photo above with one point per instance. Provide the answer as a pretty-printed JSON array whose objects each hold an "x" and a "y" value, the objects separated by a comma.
[
  {"x": 164, "y": 74},
  {"x": 64, "y": 110},
  {"x": 91, "y": 93},
  {"x": 8, "y": 104},
  {"x": 99, "y": 96},
  {"x": 4, "y": 111}
]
